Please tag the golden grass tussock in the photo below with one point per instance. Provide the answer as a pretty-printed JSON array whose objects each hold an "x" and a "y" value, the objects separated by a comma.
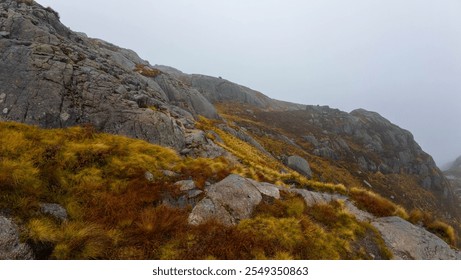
[
  {"x": 205, "y": 169},
  {"x": 376, "y": 204}
]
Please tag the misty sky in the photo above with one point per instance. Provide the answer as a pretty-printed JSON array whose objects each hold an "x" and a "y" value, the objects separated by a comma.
[{"x": 399, "y": 58}]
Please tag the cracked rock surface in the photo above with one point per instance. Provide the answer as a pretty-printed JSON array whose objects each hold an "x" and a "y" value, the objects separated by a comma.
[{"x": 53, "y": 77}]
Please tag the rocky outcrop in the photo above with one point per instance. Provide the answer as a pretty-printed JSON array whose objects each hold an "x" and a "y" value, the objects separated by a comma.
[
  {"x": 396, "y": 147},
  {"x": 363, "y": 144},
  {"x": 53, "y": 77},
  {"x": 10, "y": 246},
  {"x": 197, "y": 144},
  {"x": 218, "y": 90},
  {"x": 410, "y": 242},
  {"x": 453, "y": 175},
  {"x": 227, "y": 201}
]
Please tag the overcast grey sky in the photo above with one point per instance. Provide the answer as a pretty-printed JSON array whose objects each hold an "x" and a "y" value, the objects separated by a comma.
[{"x": 401, "y": 58}]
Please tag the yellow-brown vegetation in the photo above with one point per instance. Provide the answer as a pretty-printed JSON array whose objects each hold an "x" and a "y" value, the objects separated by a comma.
[
  {"x": 442, "y": 229},
  {"x": 147, "y": 71},
  {"x": 116, "y": 212},
  {"x": 376, "y": 204}
]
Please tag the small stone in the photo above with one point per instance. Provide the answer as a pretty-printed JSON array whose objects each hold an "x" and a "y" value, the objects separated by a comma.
[
  {"x": 185, "y": 151},
  {"x": 64, "y": 116},
  {"x": 5, "y": 111},
  {"x": 194, "y": 193},
  {"x": 169, "y": 173},
  {"x": 4, "y": 34},
  {"x": 54, "y": 210},
  {"x": 149, "y": 176},
  {"x": 185, "y": 185}
]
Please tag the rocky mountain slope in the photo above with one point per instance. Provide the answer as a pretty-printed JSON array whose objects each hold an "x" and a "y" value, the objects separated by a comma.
[
  {"x": 232, "y": 168},
  {"x": 362, "y": 143},
  {"x": 453, "y": 174}
]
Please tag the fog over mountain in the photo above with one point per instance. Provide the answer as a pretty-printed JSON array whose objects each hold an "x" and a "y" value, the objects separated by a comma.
[{"x": 401, "y": 59}]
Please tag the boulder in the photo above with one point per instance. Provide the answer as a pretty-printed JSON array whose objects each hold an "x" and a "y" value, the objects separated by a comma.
[
  {"x": 10, "y": 246},
  {"x": 227, "y": 201},
  {"x": 300, "y": 165}
]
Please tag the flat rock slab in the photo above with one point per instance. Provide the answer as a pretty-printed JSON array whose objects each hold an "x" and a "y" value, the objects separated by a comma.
[
  {"x": 410, "y": 242},
  {"x": 312, "y": 198}
]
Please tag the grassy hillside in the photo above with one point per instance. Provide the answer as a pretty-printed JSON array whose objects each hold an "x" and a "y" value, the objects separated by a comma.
[
  {"x": 113, "y": 189},
  {"x": 116, "y": 212}
]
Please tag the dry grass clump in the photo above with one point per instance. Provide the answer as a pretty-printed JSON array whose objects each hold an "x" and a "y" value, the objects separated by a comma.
[
  {"x": 147, "y": 71},
  {"x": 205, "y": 169},
  {"x": 376, "y": 204},
  {"x": 381, "y": 207},
  {"x": 71, "y": 240},
  {"x": 441, "y": 229}
]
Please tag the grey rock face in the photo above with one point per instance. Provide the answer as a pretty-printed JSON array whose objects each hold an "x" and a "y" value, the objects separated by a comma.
[
  {"x": 408, "y": 241},
  {"x": 300, "y": 165},
  {"x": 198, "y": 145},
  {"x": 217, "y": 90},
  {"x": 221, "y": 90},
  {"x": 53, "y": 77},
  {"x": 453, "y": 174},
  {"x": 10, "y": 247}
]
